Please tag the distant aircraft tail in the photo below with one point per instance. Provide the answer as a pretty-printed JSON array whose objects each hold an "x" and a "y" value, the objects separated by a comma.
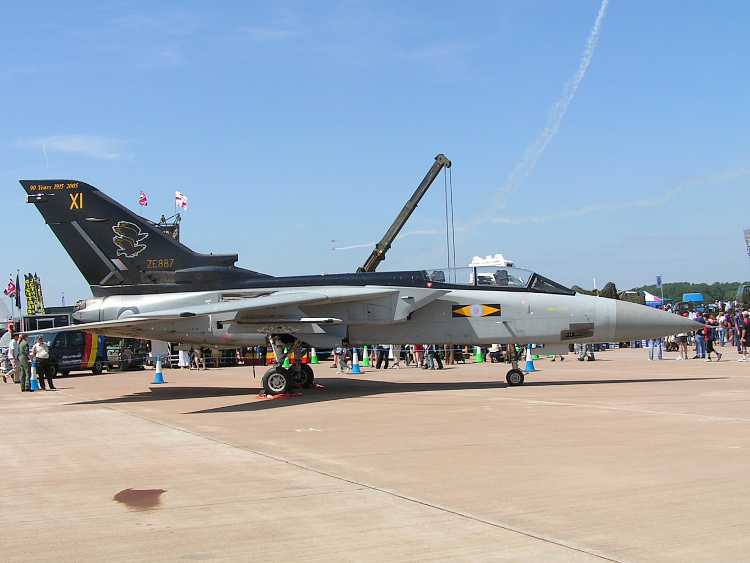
[{"x": 113, "y": 247}]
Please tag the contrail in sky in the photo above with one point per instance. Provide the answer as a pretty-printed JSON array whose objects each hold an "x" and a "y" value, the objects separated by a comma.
[
  {"x": 609, "y": 206},
  {"x": 534, "y": 152},
  {"x": 416, "y": 233}
]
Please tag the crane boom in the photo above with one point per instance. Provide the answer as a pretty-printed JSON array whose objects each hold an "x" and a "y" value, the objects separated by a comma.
[{"x": 382, "y": 247}]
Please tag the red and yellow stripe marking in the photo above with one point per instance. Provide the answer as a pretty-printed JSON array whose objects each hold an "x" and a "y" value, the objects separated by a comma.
[{"x": 90, "y": 349}]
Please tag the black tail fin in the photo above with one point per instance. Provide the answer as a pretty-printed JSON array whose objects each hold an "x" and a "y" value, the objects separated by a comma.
[{"x": 112, "y": 246}]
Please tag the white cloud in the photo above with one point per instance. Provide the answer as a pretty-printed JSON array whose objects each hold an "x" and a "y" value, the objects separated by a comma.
[
  {"x": 93, "y": 146},
  {"x": 269, "y": 33}
]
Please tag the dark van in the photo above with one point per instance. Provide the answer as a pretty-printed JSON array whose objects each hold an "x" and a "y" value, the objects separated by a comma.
[{"x": 76, "y": 351}]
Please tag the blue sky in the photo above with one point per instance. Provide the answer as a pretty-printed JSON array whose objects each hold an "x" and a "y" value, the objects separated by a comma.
[{"x": 291, "y": 125}]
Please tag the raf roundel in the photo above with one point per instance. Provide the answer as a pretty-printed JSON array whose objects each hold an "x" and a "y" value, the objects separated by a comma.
[{"x": 476, "y": 310}]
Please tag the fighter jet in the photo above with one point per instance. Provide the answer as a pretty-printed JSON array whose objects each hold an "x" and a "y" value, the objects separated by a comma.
[{"x": 145, "y": 284}]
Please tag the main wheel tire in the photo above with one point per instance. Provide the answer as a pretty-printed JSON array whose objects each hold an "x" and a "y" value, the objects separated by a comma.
[
  {"x": 97, "y": 368},
  {"x": 308, "y": 376},
  {"x": 64, "y": 372},
  {"x": 514, "y": 377},
  {"x": 276, "y": 380}
]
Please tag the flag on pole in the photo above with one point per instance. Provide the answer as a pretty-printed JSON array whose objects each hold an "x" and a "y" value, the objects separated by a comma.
[
  {"x": 658, "y": 281},
  {"x": 10, "y": 291},
  {"x": 18, "y": 292},
  {"x": 142, "y": 199},
  {"x": 180, "y": 200}
]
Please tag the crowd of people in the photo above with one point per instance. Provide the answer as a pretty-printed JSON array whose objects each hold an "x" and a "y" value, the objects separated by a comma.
[{"x": 724, "y": 325}]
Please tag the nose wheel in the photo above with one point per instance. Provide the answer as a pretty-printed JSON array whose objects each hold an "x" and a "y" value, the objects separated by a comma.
[{"x": 514, "y": 377}]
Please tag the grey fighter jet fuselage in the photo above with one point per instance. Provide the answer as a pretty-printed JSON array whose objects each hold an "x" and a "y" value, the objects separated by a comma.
[
  {"x": 383, "y": 307},
  {"x": 148, "y": 285}
]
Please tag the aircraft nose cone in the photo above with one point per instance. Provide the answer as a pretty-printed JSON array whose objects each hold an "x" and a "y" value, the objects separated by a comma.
[{"x": 634, "y": 321}]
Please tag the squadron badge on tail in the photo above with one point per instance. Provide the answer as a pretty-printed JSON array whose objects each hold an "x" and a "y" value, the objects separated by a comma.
[{"x": 128, "y": 239}]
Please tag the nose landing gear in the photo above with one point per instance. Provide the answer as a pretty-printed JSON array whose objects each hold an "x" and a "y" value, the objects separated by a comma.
[{"x": 514, "y": 377}]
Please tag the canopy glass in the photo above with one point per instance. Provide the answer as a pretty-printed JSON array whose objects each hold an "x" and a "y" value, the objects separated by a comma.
[{"x": 496, "y": 277}]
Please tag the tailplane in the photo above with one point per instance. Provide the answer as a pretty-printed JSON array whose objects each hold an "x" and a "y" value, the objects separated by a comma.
[{"x": 113, "y": 247}]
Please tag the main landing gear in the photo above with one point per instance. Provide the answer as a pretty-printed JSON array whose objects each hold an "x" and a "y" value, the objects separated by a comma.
[{"x": 278, "y": 379}]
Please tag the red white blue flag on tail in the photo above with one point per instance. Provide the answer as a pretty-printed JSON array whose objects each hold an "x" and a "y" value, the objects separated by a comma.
[{"x": 142, "y": 199}]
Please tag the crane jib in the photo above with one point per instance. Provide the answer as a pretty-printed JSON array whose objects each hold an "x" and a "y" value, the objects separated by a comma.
[{"x": 378, "y": 253}]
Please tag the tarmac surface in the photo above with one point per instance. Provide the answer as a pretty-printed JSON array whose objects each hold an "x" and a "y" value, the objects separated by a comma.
[{"x": 621, "y": 459}]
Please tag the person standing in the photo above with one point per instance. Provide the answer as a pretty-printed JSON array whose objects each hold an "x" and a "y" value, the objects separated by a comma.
[
  {"x": 343, "y": 359},
  {"x": 418, "y": 354},
  {"x": 656, "y": 349},
  {"x": 494, "y": 353},
  {"x": 382, "y": 356},
  {"x": 260, "y": 355},
  {"x": 13, "y": 356},
  {"x": 432, "y": 357},
  {"x": 396, "y": 356},
  {"x": 184, "y": 359},
  {"x": 721, "y": 329},
  {"x": 199, "y": 360},
  {"x": 449, "y": 357},
  {"x": 24, "y": 368},
  {"x": 700, "y": 338},
  {"x": 40, "y": 352},
  {"x": 682, "y": 343},
  {"x": 428, "y": 362},
  {"x": 744, "y": 329},
  {"x": 438, "y": 359},
  {"x": 738, "y": 322},
  {"x": 729, "y": 328},
  {"x": 710, "y": 335}
]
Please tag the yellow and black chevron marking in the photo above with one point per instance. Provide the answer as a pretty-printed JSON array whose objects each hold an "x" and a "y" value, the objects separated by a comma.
[{"x": 476, "y": 310}]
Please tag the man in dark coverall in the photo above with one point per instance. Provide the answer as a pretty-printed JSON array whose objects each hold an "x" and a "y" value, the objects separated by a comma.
[{"x": 24, "y": 369}]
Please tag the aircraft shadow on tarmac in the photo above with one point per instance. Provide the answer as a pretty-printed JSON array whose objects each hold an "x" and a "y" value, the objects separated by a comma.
[{"x": 342, "y": 388}]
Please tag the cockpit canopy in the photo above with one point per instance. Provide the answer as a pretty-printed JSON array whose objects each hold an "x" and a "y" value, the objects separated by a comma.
[{"x": 487, "y": 277}]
